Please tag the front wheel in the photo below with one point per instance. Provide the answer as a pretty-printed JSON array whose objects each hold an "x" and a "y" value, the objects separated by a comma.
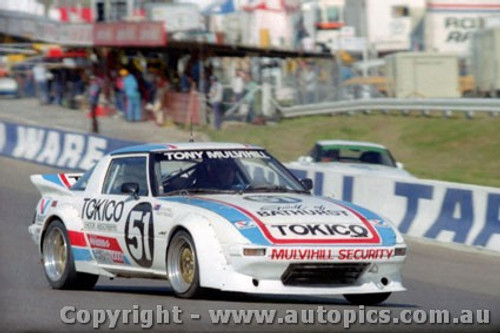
[
  {"x": 182, "y": 266},
  {"x": 367, "y": 299},
  {"x": 58, "y": 262}
]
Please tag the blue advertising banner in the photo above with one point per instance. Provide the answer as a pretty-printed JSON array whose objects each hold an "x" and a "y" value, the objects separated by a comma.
[{"x": 55, "y": 148}]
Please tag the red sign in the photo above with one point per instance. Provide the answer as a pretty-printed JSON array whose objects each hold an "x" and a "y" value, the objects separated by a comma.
[{"x": 129, "y": 34}]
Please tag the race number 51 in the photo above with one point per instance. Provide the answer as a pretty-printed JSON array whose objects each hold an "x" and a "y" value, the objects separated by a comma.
[{"x": 139, "y": 234}]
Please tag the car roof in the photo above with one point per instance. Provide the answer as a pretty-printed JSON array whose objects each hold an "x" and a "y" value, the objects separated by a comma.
[
  {"x": 349, "y": 143},
  {"x": 159, "y": 147}
]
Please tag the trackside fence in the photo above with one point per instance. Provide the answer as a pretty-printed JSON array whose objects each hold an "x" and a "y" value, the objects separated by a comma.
[{"x": 468, "y": 106}]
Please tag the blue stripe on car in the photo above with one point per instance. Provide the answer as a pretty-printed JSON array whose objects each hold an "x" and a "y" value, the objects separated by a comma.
[
  {"x": 80, "y": 254},
  {"x": 54, "y": 178},
  {"x": 228, "y": 212},
  {"x": 386, "y": 233},
  {"x": 140, "y": 149}
]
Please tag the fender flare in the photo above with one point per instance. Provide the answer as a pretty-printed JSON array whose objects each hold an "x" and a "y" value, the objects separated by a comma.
[
  {"x": 212, "y": 263},
  {"x": 70, "y": 217}
]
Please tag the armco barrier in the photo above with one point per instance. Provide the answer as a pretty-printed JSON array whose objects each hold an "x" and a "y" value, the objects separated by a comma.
[
  {"x": 55, "y": 148},
  {"x": 444, "y": 211},
  {"x": 445, "y": 105}
]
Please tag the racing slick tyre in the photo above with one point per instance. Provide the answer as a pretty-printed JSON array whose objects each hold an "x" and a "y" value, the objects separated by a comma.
[
  {"x": 367, "y": 299},
  {"x": 182, "y": 266},
  {"x": 58, "y": 262}
]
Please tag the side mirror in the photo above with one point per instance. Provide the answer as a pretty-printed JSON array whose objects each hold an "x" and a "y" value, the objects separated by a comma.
[
  {"x": 131, "y": 188},
  {"x": 305, "y": 159},
  {"x": 400, "y": 165},
  {"x": 307, "y": 183}
]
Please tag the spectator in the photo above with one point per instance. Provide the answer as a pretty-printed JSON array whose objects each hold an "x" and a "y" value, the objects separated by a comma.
[
  {"x": 160, "y": 98},
  {"x": 50, "y": 86},
  {"x": 58, "y": 86},
  {"x": 119, "y": 94},
  {"x": 238, "y": 86},
  {"x": 186, "y": 82},
  {"x": 42, "y": 87},
  {"x": 251, "y": 89},
  {"x": 131, "y": 88},
  {"x": 311, "y": 84},
  {"x": 95, "y": 89},
  {"x": 215, "y": 95}
]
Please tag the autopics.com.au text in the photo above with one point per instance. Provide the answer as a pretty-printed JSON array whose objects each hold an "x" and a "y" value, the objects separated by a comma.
[{"x": 147, "y": 318}]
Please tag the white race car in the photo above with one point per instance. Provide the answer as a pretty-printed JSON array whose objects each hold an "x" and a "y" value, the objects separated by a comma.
[
  {"x": 211, "y": 216},
  {"x": 353, "y": 157}
]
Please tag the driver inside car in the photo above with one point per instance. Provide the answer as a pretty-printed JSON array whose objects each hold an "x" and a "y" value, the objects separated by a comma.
[{"x": 220, "y": 174}]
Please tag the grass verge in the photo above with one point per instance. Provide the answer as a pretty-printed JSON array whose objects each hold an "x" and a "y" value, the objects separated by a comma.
[{"x": 453, "y": 149}]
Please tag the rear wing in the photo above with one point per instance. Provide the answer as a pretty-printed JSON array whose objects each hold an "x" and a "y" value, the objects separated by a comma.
[{"x": 58, "y": 183}]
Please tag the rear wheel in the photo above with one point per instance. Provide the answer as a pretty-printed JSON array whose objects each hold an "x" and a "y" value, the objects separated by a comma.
[
  {"x": 367, "y": 299},
  {"x": 58, "y": 263},
  {"x": 182, "y": 266}
]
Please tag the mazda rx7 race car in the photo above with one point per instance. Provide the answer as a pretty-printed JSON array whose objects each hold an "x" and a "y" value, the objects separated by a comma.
[{"x": 204, "y": 216}]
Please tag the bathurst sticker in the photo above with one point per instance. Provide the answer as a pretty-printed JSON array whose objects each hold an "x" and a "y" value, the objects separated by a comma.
[{"x": 299, "y": 210}]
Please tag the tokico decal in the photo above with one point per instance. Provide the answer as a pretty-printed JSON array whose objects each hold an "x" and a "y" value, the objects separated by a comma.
[
  {"x": 315, "y": 230},
  {"x": 102, "y": 210}
]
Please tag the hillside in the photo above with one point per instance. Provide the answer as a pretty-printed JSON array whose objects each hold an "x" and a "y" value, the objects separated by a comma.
[{"x": 455, "y": 149}]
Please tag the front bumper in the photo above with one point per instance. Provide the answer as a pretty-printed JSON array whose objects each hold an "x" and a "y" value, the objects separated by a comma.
[{"x": 328, "y": 271}]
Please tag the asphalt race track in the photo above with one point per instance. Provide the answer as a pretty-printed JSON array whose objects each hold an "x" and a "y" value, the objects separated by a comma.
[{"x": 437, "y": 278}]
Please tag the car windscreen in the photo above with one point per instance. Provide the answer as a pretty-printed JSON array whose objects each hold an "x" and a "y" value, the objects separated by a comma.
[
  {"x": 221, "y": 171},
  {"x": 354, "y": 154}
]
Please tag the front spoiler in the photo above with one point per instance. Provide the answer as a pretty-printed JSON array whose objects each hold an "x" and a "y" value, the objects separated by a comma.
[{"x": 262, "y": 275}]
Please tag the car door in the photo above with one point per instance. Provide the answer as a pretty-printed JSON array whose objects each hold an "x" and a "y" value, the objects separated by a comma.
[{"x": 119, "y": 221}]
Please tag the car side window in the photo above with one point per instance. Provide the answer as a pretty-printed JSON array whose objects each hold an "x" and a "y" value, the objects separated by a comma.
[
  {"x": 81, "y": 184},
  {"x": 126, "y": 170}
]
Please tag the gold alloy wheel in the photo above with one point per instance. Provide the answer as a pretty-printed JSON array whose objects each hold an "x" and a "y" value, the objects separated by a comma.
[
  {"x": 181, "y": 263},
  {"x": 187, "y": 264}
]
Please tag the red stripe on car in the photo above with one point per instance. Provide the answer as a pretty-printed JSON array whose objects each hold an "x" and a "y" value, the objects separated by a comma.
[
  {"x": 77, "y": 238},
  {"x": 64, "y": 180}
]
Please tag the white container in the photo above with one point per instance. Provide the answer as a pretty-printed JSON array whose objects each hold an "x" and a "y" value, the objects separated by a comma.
[
  {"x": 485, "y": 50},
  {"x": 422, "y": 75}
]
